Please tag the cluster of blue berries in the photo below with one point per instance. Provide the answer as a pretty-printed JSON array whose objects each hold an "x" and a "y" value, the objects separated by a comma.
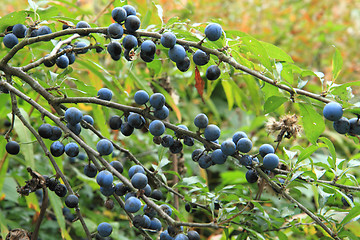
[{"x": 333, "y": 111}]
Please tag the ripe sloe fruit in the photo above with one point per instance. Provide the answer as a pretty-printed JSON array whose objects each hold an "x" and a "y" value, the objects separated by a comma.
[
  {"x": 56, "y": 133},
  {"x": 200, "y": 57},
  {"x": 19, "y": 30},
  {"x": 177, "y": 53},
  {"x": 228, "y": 147},
  {"x": 148, "y": 47},
  {"x": 244, "y": 145},
  {"x": 126, "y": 129},
  {"x": 73, "y": 115},
  {"x": 71, "y": 201},
  {"x": 165, "y": 236},
  {"x": 107, "y": 191},
  {"x": 72, "y": 149},
  {"x": 166, "y": 209},
  {"x": 105, "y": 94},
  {"x": 119, "y": 14},
  {"x": 45, "y": 130},
  {"x": 157, "y": 100},
  {"x": 12, "y": 147},
  {"x": 141, "y": 97},
  {"x": 157, "y": 128},
  {"x": 181, "y": 236},
  {"x": 76, "y": 129},
  {"x": 156, "y": 194},
  {"x": 114, "y": 49},
  {"x": 135, "y": 169},
  {"x": 213, "y": 72},
  {"x": 132, "y": 23},
  {"x": 212, "y": 132},
  {"x": 162, "y": 113},
  {"x": 265, "y": 149},
  {"x": 62, "y": 61},
  {"x": 104, "y": 229},
  {"x": 117, "y": 165},
  {"x": 132, "y": 204},
  {"x": 115, "y": 31},
  {"x": 213, "y": 31},
  {"x": 176, "y": 147},
  {"x": 10, "y": 40},
  {"x": 271, "y": 161},
  {"x": 104, "y": 147},
  {"x": 130, "y": 10},
  {"x": 238, "y": 135},
  {"x": 354, "y": 126},
  {"x": 82, "y": 24},
  {"x": 342, "y": 125},
  {"x": 155, "y": 224},
  {"x": 129, "y": 42},
  {"x": 139, "y": 180},
  {"x": 88, "y": 119},
  {"x": 332, "y": 111},
  {"x": 57, "y": 148},
  {"x": 167, "y": 141},
  {"x": 344, "y": 201},
  {"x": 104, "y": 178},
  {"x": 60, "y": 190},
  {"x": 115, "y": 122},
  {"x": 121, "y": 189},
  {"x": 201, "y": 120},
  {"x": 218, "y": 157},
  {"x": 251, "y": 176},
  {"x": 205, "y": 161},
  {"x": 136, "y": 120},
  {"x": 90, "y": 170},
  {"x": 184, "y": 64},
  {"x": 168, "y": 40}
]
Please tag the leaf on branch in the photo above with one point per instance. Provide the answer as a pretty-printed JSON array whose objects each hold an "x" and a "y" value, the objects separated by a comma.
[
  {"x": 313, "y": 123},
  {"x": 337, "y": 63},
  {"x": 199, "y": 83}
]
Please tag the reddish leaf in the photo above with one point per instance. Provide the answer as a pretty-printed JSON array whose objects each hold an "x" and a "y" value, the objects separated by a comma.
[{"x": 199, "y": 83}]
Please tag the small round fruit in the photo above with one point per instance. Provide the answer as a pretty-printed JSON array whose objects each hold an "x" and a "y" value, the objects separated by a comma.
[
  {"x": 165, "y": 236},
  {"x": 129, "y": 42},
  {"x": 130, "y": 10},
  {"x": 168, "y": 40},
  {"x": 157, "y": 128},
  {"x": 135, "y": 169},
  {"x": 43, "y": 30},
  {"x": 126, "y": 129},
  {"x": 138, "y": 221},
  {"x": 157, "y": 100},
  {"x": 265, "y": 149},
  {"x": 205, "y": 161},
  {"x": 71, "y": 201},
  {"x": 115, "y": 31},
  {"x": 184, "y": 64},
  {"x": 251, "y": 176},
  {"x": 57, "y": 149},
  {"x": 141, "y": 97},
  {"x": 196, "y": 154},
  {"x": 10, "y": 40},
  {"x": 105, "y": 179},
  {"x": 114, "y": 49},
  {"x": 201, "y": 120},
  {"x": 162, "y": 113},
  {"x": 244, "y": 145},
  {"x": 62, "y": 61},
  {"x": 332, "y": 111},
  {"x": 246, "y": 160},
  {"x": 76, "y": 129},
  {"x": 213, "y": 72},
  {"x": 82, "y": 24},
  {"x": 56, "y": 133},
  {"x": 72, "y": 149},
  {"x": 167, "y": 141},
  {"x": 104, "y": 229},
  {"x": 213, "y": 31},
  {"x": 193, "y": 235},
  {"x": 139, "y": 180},
  {"x": 88, "y": 119},
  {"x": 132, "y": 23},
  {"x": 212, "y": 132},
  {"x": 201, "y": 58},
  {"x": 19, "y": 30},
  {"x": 118, "y": 166},
  {"x": 45, "y": 130},
  {"x": 177, "y": 147},
  {"x": 238, "y": 135},
  {"x": 121, "y": 189},
  {"x": 136, "y": 120},
  {"x": 166, "y": 209},
  {"x": 105, "y": 94},
  {"x": 228, "y": 147},
  {"x": 156, "y": 194},
  {"x": 90, "y": 170},
  {"x": 12, "y": 148},
  {"x": 73, "y": 115},
  {"x": 155, "y": 224},
  {"x": 177, "y": 53},
  {"x": 115, "y": 122},
  {"x": 81, "y": 45},
  {"x": 60, "y": 190},
  {"x": 107, "y": 191},
  {"x": 148, "y": 47},
  {"x": 354, "y": 126},
  {"x": 181, "y": 236},
  {"x": 218, "y": 157},
  {"x": 132, "y": 205},
  {"x": 342, "y": 125},
  {"x": 104, "y": 147},
  {"x": 119, "y": 14},
  {"x": 270, "y": 161}
]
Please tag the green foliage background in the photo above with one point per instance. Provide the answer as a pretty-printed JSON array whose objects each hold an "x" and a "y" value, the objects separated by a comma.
[{"x": 302, "y": 44}]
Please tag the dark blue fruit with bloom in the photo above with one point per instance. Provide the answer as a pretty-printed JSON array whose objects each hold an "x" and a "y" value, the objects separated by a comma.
[
  {"x": 157, "y": 100},
  {"x": 162, "y": 113},
  {"x": 105, "y": 179},
  {"x": 10, "y": 40},
  {"x": 56, "y": 133},
  {"x": 12, "y": 147},
  {"x": 213, "y": 72},
  {"x": 45, "y": 130},
  {"x": 193, "y": 235},
  {"x": 265, "y": 149},
  {"x": 148, "y": 47},
  {"x": 132, "y": 205},
  {"x": 88, "y": 119},
  {"x": 72, "y": 149},
  {"x": 244, "y": 145},
  {"x": 332, "y": 111},
  {"x": 212, "y": 132},
  {"x": 218, "y": 157},
  {"x": 105, "y": 94},
  {"x": 251, "y": 176},
  {"x": 201, "y": 120},
  {"x": 168, "y": 40},
  {"x": 115, "y": 31},
  {"x": 119, "y": 14},
  {"x": 129, "y": 42},
  {"x": 104, "y": 147},
  {"x": 104, "y": 229},
  {"x": 270, "y": 161},
  {"x": 19, "y": 30},
  {"x": 228, "y": 147},
  {"x": 157, "y": 128},
  {"x": 213, "y": 31},
  {"x": 238, "y": 135},
  {"x": 57, "y": 149},
  {"x": 135, "y": 169},
  {"x": 62, "y": 61},
  {"x": 117, "y": 165},
  {"x": 184, "y": 64},
  {"x": 90, "y": 170},
  {"x": 139, "y": 180},
  {"x": 71, "y": 201},
  {"x": 73, "y": 115},
  {"x": 177, "y": 53},
  {"x": 132, "y": 23},
  {"x": 201, "y": 58},
  {"x": 342, "y": 125}
]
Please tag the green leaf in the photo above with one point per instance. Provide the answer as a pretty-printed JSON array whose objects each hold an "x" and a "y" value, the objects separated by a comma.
[
  {"x": 273, "y": 103},
  {"x": 9, "y": 189},
  {"x": 25, "y": 137},
  {"x": 337, "y": 63},
  {"x": 253, "y": 46},
  {"x": 312, "y": 121},
  {"x": 3, "y": 225},
  {"x": 276, "y": 52},
  {"x": 57, "y": 208},
  {"x": 307, "y": 153},
  {"x": 354, "y": 212},
  {"x": 100, "y": 120},
  {"x": 228, "y": 92},
  {"x": 332, "y": 150},
  {"x": 160, "y": 12}
]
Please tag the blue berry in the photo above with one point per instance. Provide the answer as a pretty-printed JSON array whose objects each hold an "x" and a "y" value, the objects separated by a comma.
[
  {"x": 168, "y": 40},
  {"x": 81, "y": 45},
  {"x": 57, "y": 148},
  {"x": 165, "y": 236},
  {"x": 213, "y": 72},
  {"x": 105, "y": 94},
  {"x": 157, "y": 128},
  {"x": 60, "y": 190},
  {"x": 228, "y": 147},
  {"x": 49, "y": 63},
  {"x": 342, "y": 125},
  {"x": 117, "y": 165},
  {"x": 56, "y": 133},
  {"x": 212, "y": 132},
  {"x": 136, "y": 120},
  {"x": 115, "y": 31},
  {"x": 104, "y": 147},
  {"x": 107, "y": 191},
  {"x": 132, "y": 23},
  {"x": 155, "y": 224},
  {"x": 162, "y": 113},
  {"x": 130, "y": 10},
  {"x": 166, "y": 209},
  {"x": 76, "y": 129},
  {"x": 73, "y": 115},
  {"x": 62, "y": 61},
  {"x": 132, "y": 205},
  {"x": 82, "y": 24},
  {"x": 246, "y": 160},
  {"x": 71, "y": 201},
  {"x": 44, "y": 30},
  {"x": 213, "y": 31},
  {"x": 157, "y": 100},
  {"x": 148, "y": 47},
  {"x": 129, "y": 195},
  {"x": 104, "y": 229},
  {"x": 196, "y": 154},
  {"x": 139, "y": 180},
  {"x": 146, "y": 57},
  {"x": 201, "y": 120},
  {"x": 121, "y": 189},
  {"x": 176, "y": 147},
  {"x": 178, "y": 134},
  {"x": 201, "y": 58},
  {"x": 119, "y": 14},
  {"x": 115, "y": 122},
  {"x": 150, "y": 212},
  {"x": 270, "y": 161},
  {"x": 184, "y": 64},
  {"x": 177, "y": 53},
  {"x": 218, "y": 157},
  {"x": 354, "y": 126},
  {"x": 126, "y": 129},
  {"x": 72, "y": 149},
  {"x": 156, "y": 194},
  {"x": 265, "y": 149},
  {"x": 167, "y": 141},
  {"x": 90, "y": 170},
  {"x": 129, "y": 42},
  {"x": 147, "y": 190},
  {"x": 19, "y": 30},
  {"x": 244, "y": 145},
  {"x": 238, "y": 135},
  {"x": 193, "y": 235},
  {"x": 88, "y": 119},
  {"x": 135, "y": 169},
  {"x": 114, "y": 49},
  {"x": 105, "y": 179},
  {"x": 189, "y": 141},
  {"x": 13, "y": 148},
  {"x": 205, "y": 161},
  {"x": 181, "y": 236},
  {"x": 45, "y": 130},
  {"x": 251, "y": 176},
  {"x": 332, "y": 111},
  {"x": 147, "y": 221}
]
